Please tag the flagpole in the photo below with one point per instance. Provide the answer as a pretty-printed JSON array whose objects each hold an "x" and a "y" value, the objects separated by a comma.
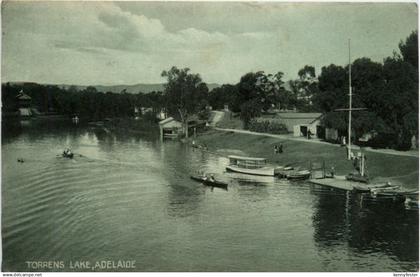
[{"x": 350, "y": 104}]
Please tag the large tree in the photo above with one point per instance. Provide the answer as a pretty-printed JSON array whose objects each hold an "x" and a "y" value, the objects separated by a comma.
[
  {"x": 257, "y": 90},
  {"x": 185, "y": 93},
  {"x": 388, "y": 91},
  {"x": 304, "y": 88},
  {"x": 409, "y": 49},
  {"x": 226, "y": 94}
]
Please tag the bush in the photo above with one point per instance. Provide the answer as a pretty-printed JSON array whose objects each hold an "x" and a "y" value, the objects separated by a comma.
[
  {"x": 204, "y": 114},
  {"x": 150, "y": 117},
  {"x": 267, "y": 126}
]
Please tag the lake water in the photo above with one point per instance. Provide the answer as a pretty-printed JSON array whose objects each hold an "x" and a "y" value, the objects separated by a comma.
[{"x": 129, "y": 197}]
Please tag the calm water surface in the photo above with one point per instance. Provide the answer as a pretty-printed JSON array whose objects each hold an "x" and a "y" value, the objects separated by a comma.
[{"x": 129, "y": 197}]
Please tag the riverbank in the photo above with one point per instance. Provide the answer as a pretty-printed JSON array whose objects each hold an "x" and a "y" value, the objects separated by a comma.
[{"x": 399, "y": 170}]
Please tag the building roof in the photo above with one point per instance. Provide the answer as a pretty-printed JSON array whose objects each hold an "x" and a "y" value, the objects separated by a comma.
[
  {"x": 299, "y": 115},
  {"x": 246, "y": 158},
  {"x": 166, "y": 120},
  {"x": 170, "y": 123}
]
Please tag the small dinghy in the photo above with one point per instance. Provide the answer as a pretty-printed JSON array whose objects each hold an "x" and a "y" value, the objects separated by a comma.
[
  {"x": 299, "y": 175},
  {"x": 210, "y": 182}
]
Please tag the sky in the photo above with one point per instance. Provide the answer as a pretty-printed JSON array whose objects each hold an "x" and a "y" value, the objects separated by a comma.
[{"x": 110, "y": 43}]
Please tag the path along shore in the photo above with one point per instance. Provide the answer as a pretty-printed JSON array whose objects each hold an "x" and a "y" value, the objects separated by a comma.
[
  {"x": 401, "y": 168},
  {"x": 411, "y": 153}
]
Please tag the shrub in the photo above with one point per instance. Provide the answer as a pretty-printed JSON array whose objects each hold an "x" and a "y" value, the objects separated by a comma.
[{"x": 267, "y": 126}]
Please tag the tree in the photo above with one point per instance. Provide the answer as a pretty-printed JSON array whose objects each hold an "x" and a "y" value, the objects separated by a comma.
[
  {"x": 409, "y": 49},
  {"x": 333, "y": 88},
  {"x": 250, "y": 110},
  {"x": 389, "y": 91},
  {"x": 304, "y": 88},
  {"x": 184, "y": 93},
  {"x": 226, "y": 94},
  {"x": 257, "y": 90},
  {"x": 399, "y": 98}
]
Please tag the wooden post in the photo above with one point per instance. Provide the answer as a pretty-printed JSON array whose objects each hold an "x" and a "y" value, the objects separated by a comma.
[
  {"x": 161, "y": 133},
  {"x": 186, "y": 129},
  {"x": 362, "y": 165}
]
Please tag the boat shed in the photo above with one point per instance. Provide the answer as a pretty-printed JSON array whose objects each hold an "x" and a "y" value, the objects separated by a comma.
[
  {"x": 301, "y": 123},
  {"x": 170, "y": 128}
]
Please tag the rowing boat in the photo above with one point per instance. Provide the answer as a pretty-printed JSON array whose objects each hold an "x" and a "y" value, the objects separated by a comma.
[
  {"x": 209, "y": 182},
  {"x": 299, "y": 175}
]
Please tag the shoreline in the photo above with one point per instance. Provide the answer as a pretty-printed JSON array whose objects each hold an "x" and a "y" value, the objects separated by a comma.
[{"x": 381, "y": 167}]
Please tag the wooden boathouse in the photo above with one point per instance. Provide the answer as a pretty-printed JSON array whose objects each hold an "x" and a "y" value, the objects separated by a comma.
[{"x": 170, "y": 128}]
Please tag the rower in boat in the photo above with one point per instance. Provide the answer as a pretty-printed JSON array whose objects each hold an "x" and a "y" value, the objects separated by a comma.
[{"x": 68, "y": 154}]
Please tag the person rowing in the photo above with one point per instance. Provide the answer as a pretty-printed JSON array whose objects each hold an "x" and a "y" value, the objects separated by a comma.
[
  {"x": 212, "y": 178},
  {"x": 67, "y": 153}
]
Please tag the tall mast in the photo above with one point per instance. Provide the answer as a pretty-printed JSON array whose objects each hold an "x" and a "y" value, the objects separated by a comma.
[{"x": 350, "y": 96}]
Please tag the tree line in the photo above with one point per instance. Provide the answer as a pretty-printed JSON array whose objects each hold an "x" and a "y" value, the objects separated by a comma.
[
  {"x": 88, "y": 102},
  {"x": 388, "y": 91}
]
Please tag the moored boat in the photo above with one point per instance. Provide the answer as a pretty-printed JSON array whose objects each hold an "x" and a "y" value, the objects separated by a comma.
[
  {"x": 249, "y": 165},
  {"x": 299, "y": 175},
  {"x": 360, "y": 189}
]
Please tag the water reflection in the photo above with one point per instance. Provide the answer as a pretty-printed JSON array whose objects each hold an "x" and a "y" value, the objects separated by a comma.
[
  {"x": 131, "y": 196},
  {"x": 184, "y": 194},
  {"x": 365, "y": 226}
]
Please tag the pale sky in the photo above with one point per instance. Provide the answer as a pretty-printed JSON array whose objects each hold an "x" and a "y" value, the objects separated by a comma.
[{"x": 94, "y": 43}]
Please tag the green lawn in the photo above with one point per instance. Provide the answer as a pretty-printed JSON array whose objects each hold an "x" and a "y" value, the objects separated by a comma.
[{"x": 399, "y": 170}]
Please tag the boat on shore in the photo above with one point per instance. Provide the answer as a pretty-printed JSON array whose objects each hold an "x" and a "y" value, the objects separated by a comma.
[
  {"x": 299, "y": 175},
  {"x": 249, "y": 165},
  {"x": 290, "y": 173},
  {"x": 209, "y": 182}
]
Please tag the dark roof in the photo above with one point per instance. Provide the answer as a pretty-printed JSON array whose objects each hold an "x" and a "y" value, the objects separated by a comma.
[{"x": 299, "y": 115}]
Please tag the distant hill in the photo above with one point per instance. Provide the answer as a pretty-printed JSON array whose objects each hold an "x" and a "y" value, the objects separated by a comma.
[{"x": 144, "y": 88}]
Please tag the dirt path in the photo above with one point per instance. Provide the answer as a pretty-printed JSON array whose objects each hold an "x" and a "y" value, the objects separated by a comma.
[
  {"x": 411, "y": 153},
  {"x": 217, "y": 116}
]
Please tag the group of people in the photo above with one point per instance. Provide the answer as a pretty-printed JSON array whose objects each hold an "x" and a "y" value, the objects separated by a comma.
[
  {"x": 206, "y": 177},
  {"x": 278, "y": 149}
]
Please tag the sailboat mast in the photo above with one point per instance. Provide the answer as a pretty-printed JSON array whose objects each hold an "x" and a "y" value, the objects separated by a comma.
[{"x": 350, "y": 104}]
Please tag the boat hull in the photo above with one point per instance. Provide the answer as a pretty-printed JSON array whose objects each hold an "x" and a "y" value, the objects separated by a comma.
[
  {"x": 209, "y": 182},
  {"x": 299, "y": 176},
  {"x": 265, "y": 171}
]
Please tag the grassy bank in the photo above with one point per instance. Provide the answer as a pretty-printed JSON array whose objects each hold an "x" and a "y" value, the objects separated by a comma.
[{"x": 381, "y": 167}]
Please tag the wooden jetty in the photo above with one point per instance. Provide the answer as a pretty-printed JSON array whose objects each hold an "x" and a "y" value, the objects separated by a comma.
[{"x": 339, "y": 182}]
